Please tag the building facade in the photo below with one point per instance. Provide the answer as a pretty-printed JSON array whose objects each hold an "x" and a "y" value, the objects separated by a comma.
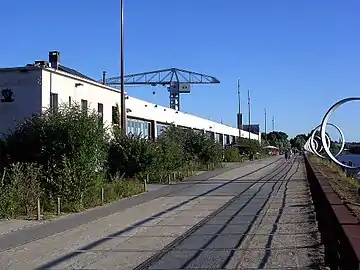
[{"x": 42, "y": 85}]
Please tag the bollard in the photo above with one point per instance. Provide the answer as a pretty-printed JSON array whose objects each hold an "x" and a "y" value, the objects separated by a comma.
[
  {"x": 102, "y": 195},
  {"x": 58, "y": 206},
  {"x": 145, "y": 186},
  {"x": 38, "y": 209}
]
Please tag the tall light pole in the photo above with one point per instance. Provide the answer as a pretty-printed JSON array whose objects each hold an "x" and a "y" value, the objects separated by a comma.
[
  {"x": 273, "y": 123},
  {"x": 265, "y": 121},
  {"x": 239, "y": 112},
  {"x": 122, "y": 74},
  {"x": 249, "y": 112}
]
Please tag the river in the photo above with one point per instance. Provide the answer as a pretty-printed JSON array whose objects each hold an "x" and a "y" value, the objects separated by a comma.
[{"x": 355, "y": 159}]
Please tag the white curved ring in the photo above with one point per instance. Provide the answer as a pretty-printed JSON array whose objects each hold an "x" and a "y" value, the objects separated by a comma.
[
  {"x": 328, "y": 142},
  {"x": 324, "y": 123},
  {"x": 327, "y": 146},
  {"x": 314, "y": 145}
]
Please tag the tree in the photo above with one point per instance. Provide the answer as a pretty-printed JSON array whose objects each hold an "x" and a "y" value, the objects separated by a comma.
[
  {"x": 299, "y": 141},
  {"x": 248, "y": 147},
  {"x": 277, "y": 139}
]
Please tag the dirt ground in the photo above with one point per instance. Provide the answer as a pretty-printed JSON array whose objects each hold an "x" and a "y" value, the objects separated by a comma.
[{"x": 346, "y": 188}]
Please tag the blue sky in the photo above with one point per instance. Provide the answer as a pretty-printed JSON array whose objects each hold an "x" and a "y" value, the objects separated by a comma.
[{"x": 298, "y": 57}]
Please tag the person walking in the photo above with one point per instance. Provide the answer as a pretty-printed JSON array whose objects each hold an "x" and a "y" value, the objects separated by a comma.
[{"x": 286, "y": 155}]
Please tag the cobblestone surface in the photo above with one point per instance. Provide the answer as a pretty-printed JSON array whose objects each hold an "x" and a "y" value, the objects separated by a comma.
[{"x": 271, "y": 224}]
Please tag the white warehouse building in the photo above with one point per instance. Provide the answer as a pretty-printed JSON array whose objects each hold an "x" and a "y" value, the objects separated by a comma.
[{"x": 36, "y": 87}]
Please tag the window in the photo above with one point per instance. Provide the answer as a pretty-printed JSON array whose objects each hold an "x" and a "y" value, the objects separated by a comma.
[
  {"x": 54, "y": 102},
  {"x": 101, "y": 112},
  {"x": 160, "y": 129},
  {"x": 69, "y": 101},
  {"x": 115, "y": 116},
  {"x": 139, "y": 128},
  {"x": 84, "y": 105}
]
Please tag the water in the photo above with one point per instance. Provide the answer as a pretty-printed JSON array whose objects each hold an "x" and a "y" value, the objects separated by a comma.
[{"x": 355, "y": 159}]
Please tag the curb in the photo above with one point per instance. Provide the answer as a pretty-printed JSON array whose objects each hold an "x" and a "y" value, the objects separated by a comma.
[{"x": 340, "y": 230}]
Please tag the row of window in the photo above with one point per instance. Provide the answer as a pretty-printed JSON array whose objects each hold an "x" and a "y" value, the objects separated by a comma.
[
  {"x": 54, "y": 106},
  {"x": 136, "y": 127}
]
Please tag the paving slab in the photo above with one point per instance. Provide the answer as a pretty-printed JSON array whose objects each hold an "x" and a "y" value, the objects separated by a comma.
[{"x": 11, "y": 225}]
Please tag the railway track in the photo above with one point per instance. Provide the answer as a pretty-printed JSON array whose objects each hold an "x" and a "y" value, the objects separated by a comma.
[{"x": 235, "y": 205}]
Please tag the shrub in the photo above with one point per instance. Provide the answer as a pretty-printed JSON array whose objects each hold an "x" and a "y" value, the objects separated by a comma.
[
  {"x": 232, "y": 154},
  {"x": 248, "y": 147},
  {"x": 130, "y": 155},
  {"x": 122, "y": 188},
  {"x": 69, "y": 146},
  {"x": 19, "y": 195}
]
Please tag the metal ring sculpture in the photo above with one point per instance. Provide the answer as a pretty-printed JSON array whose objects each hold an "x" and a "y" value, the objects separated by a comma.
[
  {"x": 317, "y": 146},
  {"x": 312, "y": 145},
  {"x": 324, "y": 123},
  {"x": 327, "y": 139}
]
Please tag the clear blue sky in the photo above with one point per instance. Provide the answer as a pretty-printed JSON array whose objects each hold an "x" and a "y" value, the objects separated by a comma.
[{"x": 298, "y": 57}]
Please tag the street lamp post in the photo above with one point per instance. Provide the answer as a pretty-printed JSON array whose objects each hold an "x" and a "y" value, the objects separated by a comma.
[
  {"x": 239, "y": 113},
  {"x": 122, "y": 74},
  {"x": 249, "y": 112},
  {"x": 265, "y": 122}
]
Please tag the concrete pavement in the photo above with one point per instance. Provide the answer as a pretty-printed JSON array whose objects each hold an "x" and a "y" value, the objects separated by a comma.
[{"x": 247, "y": 217}]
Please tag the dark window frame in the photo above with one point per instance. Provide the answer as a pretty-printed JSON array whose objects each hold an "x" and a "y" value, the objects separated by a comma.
[
  {"x": 54, "y": 102},
  {"x": 84, "y": 105},
  {"x": 101, "y": 112}
]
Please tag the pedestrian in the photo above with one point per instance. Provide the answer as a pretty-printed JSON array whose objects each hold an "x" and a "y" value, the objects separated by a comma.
[{"x": 286, "y": 155}]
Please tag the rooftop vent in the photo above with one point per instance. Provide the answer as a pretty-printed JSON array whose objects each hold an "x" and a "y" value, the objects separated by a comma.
[{"x": 41, "y": 64}]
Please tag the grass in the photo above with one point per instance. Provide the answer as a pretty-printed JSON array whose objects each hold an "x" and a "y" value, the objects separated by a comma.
[{"x": 336, "y": 170}]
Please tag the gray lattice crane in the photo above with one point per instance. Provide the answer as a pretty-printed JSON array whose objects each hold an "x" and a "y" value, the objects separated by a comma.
[{"x": 178, "y": 81}]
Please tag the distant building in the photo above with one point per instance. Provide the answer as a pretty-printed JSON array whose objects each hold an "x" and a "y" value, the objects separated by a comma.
[{"x": 46, "y": 84}]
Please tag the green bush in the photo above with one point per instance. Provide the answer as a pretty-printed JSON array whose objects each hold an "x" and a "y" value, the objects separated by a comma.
[
  {"x": 122, "y": 188},
  {"x": 248, "y": 147},
  {"x": 130, "y": 155},
  {"x": 19, "y": 195},
  {"x": 69, "y": 145},
  {"x": 232, "y": 154}
]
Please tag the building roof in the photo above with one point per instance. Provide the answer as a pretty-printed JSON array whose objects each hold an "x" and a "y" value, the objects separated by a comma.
[{"x": 75, "y": 73}]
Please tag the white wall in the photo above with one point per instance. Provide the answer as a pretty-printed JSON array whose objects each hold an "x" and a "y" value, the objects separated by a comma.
[
  {"x": 146, "y": 110},
  {"x": 26, "y": 88},
  {"x": 64, "y": 85}
]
